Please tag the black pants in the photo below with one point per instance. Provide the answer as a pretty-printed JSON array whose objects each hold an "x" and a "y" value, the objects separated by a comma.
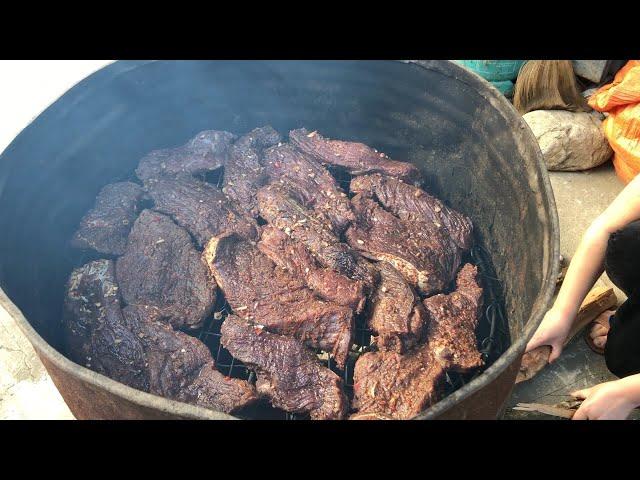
[{"x": 622, "y": 264}]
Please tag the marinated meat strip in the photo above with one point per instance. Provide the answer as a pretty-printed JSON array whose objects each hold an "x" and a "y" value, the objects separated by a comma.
[
  {"x": 206, "y": 152},
  {"x": 313, "y": 184},
  {"x": 288, "y": 373},
  {"x": 401, "y": 386},
  {"x": 203, "y": 210},
  {"x": 396, "y": 314},
  {"x": 412, "y": 204},
  {"x": 294, "y": 257},
  {"x": 453, "y": 320},
  {"x": 280, "y": 208},
  {"x": 243, "y": 170},
  {"x": 106, "y": 226},
  {"x": 259, "y": 291},
  {"x": 133, "y": 347},
  {"x": 162, "y": 268},
  {"x": 424, "y": 254},
  {"x": 356, "y": 157}
]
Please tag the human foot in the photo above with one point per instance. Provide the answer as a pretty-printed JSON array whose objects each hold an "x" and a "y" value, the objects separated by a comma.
[{"x": 597, "y": 335}]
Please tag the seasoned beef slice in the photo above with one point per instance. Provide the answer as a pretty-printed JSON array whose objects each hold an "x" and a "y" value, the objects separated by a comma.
[
  {"x": 424, "y": 254},
  {"x": 288, "y": 372},
  {"x": 412, "y": 204},
  {"x": 134, "y": 347},
  {"x": 205, "y": 152},
  {"x": 243, "y": 170},
  {"x": 162, "y": 268},
  {"x": 106, "y": 226},
  {"x": 401, "y": 386},
  {"x": 356, "y": 157},
  {"x": 313, "y": 184},
  {"x": 263, "y": 293},
  {"x": 200, "y": 208}
]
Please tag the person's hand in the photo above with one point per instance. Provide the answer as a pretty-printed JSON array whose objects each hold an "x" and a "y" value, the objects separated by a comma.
[
  {"x": 553, "y": 331},
  {"x": 606, "y": 401}
]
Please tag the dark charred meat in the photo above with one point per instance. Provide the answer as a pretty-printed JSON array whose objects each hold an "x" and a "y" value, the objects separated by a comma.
[
  {"x": 288, "y": 373},
  {"x": 162, "y": 268},
  {"x": 401, "y": 386},
  {"x": 181, "y": 367},
  {"x": 423, "y": 253},
  {"x": 453, "y": 320},
  {"x": 280, "y": 208},
  {"x": 92, "y": 298},
  {"x": 312, "y": 184},
  {"x": 206, "y": 152},
  {"x": 396, "y": 314},
  {"x": 133, "y": 347},
  {"x": 294, "y": 257},
  {"x": 106, "y": 226},
  {"x": 412, "y": 204},
  {"x": 263, "y": 293},
  {"x": 203, "y": 210},
  {"x": 243, "y": 170},
  {"x": 357, "y": 158}
]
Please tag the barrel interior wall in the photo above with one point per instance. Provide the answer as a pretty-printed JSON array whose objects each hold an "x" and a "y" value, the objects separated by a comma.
[{"x": 97, "y": 133}]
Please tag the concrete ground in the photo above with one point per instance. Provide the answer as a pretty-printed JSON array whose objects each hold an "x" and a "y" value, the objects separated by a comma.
[
  {"x": 580, "y": 198},
  {"x": 26, "y": 391}
]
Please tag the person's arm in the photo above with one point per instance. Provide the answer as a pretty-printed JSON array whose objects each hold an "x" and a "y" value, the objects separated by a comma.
[
  {"x": 610, "y": 400},
  {"x": 585, "y": 268}
]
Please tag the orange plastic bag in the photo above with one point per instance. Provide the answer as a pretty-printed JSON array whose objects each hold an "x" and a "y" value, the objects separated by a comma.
[{"x": 621, "y": 99}]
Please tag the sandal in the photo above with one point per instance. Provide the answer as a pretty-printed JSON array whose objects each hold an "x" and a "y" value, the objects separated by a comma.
[{"x": 603, "y": 321}]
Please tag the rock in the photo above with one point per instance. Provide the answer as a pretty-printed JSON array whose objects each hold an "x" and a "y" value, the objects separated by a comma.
[
  {"x": 569, "y": 141},
  {"x": 590, "y": 69}
]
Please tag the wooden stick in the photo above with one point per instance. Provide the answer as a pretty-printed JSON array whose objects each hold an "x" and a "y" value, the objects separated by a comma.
[
  {"x": 597, "y": 301},
  {"x": 546, "y": 409}
]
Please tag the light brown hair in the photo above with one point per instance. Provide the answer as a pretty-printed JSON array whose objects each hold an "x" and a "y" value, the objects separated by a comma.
[{"x": 548, "y": 85}]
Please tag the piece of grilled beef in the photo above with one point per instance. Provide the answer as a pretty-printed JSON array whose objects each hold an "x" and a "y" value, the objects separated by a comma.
[
  {"x": 181, "y": 367},
  {"x": 453, "y": 319},
  {"x": 243, "y": 170},
  {"x": 263, "y": 293},
  {"x": 205, "y": 152},
  {"x": 356, "y": 157},
  {"x": 294, "y": 257},
  {"x": 92, "y": 298},
  {"x": 311, "y": 182},
  {"x": 425, "y": 255},
  {"x": 395, "y": 314},
  {"x": 401, "y": 386},
  {"x": 134, "y": 347},
  {"x": 200, "y": 208},
  {"x": 282, "y": 209},
  {"x": 106, "y": 226},
  {"x": 412, "y": 204},
  {"x": 162, "y": 268},
  {"x": 289, "y": 374}
]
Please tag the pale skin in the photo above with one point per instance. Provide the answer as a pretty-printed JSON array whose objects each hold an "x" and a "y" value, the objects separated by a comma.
[{"x": 609, "y": 400}]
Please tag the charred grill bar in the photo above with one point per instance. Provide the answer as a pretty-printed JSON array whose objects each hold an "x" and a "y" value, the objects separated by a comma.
[{"x": 475, "y": 152}]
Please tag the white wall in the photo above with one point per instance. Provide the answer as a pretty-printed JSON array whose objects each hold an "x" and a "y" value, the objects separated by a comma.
[{"x": 27, "y": 87}]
